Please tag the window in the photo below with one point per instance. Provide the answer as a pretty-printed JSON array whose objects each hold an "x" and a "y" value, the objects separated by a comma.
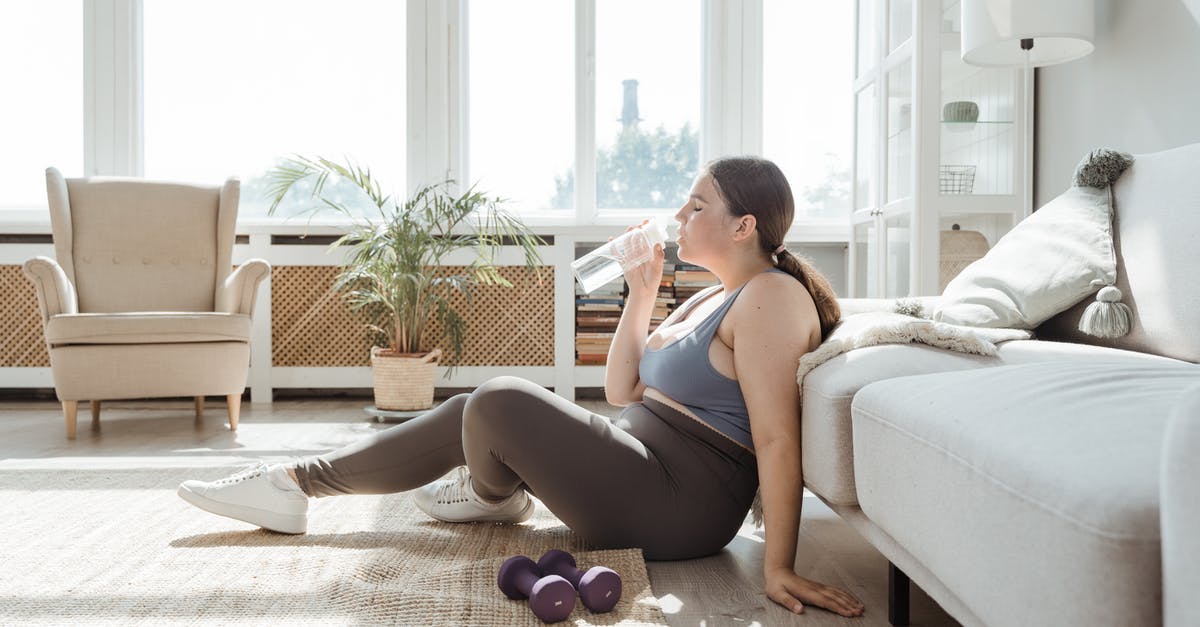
[
  {"x": 807, "y": 104},
  {"x": 521, "y": 98},
  {"x": 521, "y": 101},
  {"x": 647, "y": 102},
  {"x": 41, "y": 113},
  {"x": 233, "y": 87}
]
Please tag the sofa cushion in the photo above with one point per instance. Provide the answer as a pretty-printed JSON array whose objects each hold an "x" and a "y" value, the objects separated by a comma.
[
  {"x": 826, "y": 450},
  {"x": 1032, "y": 490},
  {"x": 1022, "y": 281},
  {"x": 147, "y": 328},
  {"x": 1156, "y": 229}
]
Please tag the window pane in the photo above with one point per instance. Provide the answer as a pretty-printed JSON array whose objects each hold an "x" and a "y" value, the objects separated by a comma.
[
  {"x": 233, "y": 96},
  {"x": 41, "y": 113},
  {"x": 647, "y": 102},
  {"x": 521, "y": 101},
  {"x": 807, "y": 95}
]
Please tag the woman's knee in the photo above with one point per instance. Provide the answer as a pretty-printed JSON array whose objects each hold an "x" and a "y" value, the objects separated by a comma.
[{"x": 499, "y": 399}]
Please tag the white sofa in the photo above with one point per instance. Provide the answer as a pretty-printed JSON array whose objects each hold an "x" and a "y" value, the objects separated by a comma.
[{"x": 1056, "y": 483}]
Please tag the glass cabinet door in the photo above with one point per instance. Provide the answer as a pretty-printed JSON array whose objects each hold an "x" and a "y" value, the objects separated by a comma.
[
  {"x": 897, "y": 244},
  {"x": 899, "y": 132},
  {"x": 864, "y": 248},
  {"x": 867, "y": 52},
  {"x": 864, "y": 152},
  {"x": 900, "y": 23},
  {"x": 978, "y": 108}
]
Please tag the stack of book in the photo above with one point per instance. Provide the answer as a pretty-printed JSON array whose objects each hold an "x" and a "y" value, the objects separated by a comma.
[
  {"x": 690, "y": 279},
  {"x": 596, "y": 318},
  {"x": 664, "y": 304}
]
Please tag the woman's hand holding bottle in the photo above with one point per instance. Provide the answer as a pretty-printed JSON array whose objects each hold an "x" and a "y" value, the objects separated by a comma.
[{"x": 644, "y": 279}]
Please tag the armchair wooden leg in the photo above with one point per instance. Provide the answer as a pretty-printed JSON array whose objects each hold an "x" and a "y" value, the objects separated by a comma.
[
  {"x": 70, "y": 408},
  {"x": 199, "y": 407},
  {"x": 234, "y": 401},
  {"x": 95, "y": 415}
]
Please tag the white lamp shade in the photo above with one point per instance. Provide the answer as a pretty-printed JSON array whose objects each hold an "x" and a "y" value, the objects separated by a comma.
[{"x": 992, "y": 30}]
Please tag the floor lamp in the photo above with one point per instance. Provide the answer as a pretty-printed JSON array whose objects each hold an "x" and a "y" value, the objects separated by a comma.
[{"x": 1028, "y": 34}]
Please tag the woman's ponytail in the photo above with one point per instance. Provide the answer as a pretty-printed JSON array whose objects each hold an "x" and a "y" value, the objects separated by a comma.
[{"x": 817, "y": 285}]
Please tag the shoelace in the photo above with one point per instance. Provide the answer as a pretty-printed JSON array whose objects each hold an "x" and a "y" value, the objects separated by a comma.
[
  {"x": 455, "y": 490},
  {"x": 243, "y": 475}
]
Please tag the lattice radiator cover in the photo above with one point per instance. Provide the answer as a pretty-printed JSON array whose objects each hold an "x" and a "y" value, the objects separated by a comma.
[
  {"x": 22, "y": 341},
  {"x": 312, "y": 326}
]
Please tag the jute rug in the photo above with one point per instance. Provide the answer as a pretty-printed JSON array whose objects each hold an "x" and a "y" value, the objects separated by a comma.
[{"x": 119, "y": 547}]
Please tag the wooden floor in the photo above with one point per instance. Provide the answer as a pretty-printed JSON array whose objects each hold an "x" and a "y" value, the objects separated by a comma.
[{"x": 725, "y": 589}]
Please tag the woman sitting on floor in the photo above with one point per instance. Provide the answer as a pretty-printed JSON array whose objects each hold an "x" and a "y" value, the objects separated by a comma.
[{"x": 711, "y": 412}]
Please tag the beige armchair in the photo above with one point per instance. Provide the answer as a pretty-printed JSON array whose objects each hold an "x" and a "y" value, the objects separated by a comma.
[{"x": 142, "y": 302}]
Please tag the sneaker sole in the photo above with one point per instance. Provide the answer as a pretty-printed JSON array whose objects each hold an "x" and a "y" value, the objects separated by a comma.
[
  {"x": 525, "y": 514},
  {"x": 273, "y": 521}
]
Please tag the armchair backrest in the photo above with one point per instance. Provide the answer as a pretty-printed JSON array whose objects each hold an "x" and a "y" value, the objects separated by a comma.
[
  {"x": 1156, "y": 229},
  {"x": 129, "y": 244}
]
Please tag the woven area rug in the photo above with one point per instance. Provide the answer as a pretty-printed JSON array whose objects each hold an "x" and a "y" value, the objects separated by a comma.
[{"x": 119, "y": 547}]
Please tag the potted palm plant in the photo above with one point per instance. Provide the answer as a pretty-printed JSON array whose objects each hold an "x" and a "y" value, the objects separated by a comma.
[{"x": 393, "y": 272}]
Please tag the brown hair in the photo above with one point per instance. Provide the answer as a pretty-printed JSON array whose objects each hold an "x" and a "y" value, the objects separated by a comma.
[{"x": 755, "y": 186}]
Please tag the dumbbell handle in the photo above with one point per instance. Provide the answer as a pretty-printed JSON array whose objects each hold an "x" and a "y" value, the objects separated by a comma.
[
  {"x": 525, "y": 580},
  {"x": 567, "y": 572}
]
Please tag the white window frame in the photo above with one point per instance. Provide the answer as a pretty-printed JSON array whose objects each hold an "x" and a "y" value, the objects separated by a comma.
[
  {"x": 731, "y": 107},
  {"x": 438, "y": 73}
]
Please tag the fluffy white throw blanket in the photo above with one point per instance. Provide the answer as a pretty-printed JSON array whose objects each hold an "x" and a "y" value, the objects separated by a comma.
[{"x": 875, "y": 328}]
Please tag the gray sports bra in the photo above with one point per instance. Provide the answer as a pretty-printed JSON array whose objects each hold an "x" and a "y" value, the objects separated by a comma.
[{"x": 682, "y": 371}]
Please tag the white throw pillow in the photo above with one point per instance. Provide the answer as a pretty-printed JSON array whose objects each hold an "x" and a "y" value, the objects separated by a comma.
[{"x": 1047, "y": 263}]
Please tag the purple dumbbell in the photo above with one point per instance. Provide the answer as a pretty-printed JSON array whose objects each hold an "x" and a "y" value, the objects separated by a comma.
[
  {"x": 551, "y": 597},
  {"x": 599, "y": 587}
]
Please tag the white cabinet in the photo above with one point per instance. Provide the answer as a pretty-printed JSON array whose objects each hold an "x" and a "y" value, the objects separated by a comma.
[{"x": 937, "y": 143}]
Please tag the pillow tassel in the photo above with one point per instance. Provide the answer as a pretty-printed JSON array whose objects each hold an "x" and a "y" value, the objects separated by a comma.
[{"x": 1107, "y": 317}]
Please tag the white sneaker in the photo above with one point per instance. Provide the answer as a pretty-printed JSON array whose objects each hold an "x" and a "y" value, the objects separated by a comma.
[
  {"x": 454, "y": 500},
  {"x": 260, "y": 495}
]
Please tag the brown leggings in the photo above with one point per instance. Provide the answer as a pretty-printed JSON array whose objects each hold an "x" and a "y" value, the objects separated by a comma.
[{"x": 652, "y": 478}]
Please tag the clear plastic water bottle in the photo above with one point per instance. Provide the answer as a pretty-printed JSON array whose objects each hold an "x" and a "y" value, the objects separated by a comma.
[{"x": 630, "y": 250}]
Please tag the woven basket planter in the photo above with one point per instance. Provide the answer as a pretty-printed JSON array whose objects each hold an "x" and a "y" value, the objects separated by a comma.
[
  {"x": 403, "y": 382},
  {"x": 958, "y": 249}
]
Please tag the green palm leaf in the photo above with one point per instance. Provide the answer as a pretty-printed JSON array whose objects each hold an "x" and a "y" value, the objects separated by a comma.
[{"x": 391, "y": 277}]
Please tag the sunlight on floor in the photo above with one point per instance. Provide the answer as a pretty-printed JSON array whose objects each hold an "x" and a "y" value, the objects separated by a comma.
[{"x": 670, "y": 604}]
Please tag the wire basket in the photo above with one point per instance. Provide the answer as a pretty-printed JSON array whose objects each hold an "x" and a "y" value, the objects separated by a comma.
[{"x": 956, "y": 179}]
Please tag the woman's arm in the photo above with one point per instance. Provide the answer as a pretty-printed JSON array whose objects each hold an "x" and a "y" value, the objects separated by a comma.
[
  {"x": 622, "y": 385},
  {"x": 772, "y": 328}
]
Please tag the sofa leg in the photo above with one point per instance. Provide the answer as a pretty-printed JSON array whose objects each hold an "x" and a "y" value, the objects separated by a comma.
[
  {"x": 898, "y": 587},
  {"x": 199, "y": 407},
  {"x": 95, "y": 415},
  {"x": 234, "y": 401},
  {"x": 70, "y": 409}
]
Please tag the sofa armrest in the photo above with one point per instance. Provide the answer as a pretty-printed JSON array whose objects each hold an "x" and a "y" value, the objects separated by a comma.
[
  {"x": 851, "y": 306},
  {"x": 56, "y": 294},
  {"x": 240, "y": 289},
  {"x": 1180, "y": 512}
]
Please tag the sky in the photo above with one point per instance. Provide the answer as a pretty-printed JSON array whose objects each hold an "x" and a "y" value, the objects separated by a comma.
[{"x": 228, "y": 96}]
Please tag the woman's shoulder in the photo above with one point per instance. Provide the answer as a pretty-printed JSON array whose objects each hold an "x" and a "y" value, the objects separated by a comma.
[
  {"x": 772, "y": 286},
  {"x": 773, "y": 296}
]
